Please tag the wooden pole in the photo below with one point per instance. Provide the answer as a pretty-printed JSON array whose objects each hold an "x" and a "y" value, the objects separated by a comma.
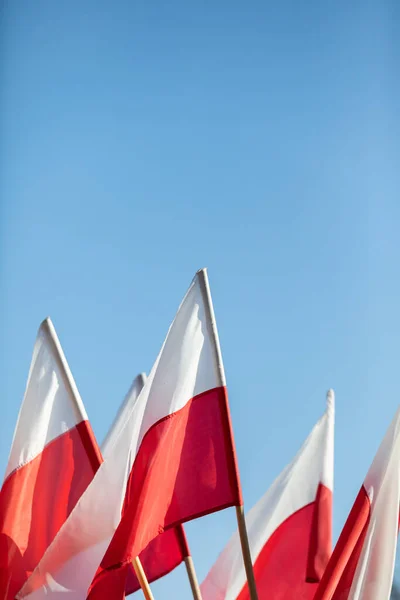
[
  {"x": 140, "y": 574},
  {"x": 194, "y": 584},
  {"x": 244, "y": 542}
]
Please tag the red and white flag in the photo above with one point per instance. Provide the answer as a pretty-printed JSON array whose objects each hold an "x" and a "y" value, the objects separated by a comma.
[
  {"x": 174, "y": 460},
  {"x": 53, "y": 458},
  {"x": 290, "y": 528},
  {"x": 362, "y": 563},
  {"x": 169, "y": 549},
  {"x": 123, "y": 414}
]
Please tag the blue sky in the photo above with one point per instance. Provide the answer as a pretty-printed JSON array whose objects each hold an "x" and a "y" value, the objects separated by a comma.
[{"x": 141, "y": 141}]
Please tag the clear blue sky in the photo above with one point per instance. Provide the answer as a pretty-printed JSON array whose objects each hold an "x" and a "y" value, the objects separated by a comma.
[{"x": 143, "y": 140}]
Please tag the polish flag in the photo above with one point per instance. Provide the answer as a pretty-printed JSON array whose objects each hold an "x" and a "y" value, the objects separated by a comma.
[
  {"x": 362, "y": 563},
  {"x": 169, "y": 549},
  {"x": 174, "y": 460},
  {"x": 290, "y": 528},
  {"x": 53, "y": 458}
]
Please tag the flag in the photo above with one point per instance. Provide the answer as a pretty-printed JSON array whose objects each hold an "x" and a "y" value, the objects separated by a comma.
[
  {"x": 362, "y": 563},
  {"x": 53, "y": 457},
  {"x": 123, "y": 414},
  {"x": 167, "y": 550},
  {"x": 290, "y": 528},
  {"x": 174, "y": 460}
]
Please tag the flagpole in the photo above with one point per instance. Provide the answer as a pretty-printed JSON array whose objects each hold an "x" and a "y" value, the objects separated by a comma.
[
  {"x": 47, "y": 328},
  {"x": 244, "y": 540},
  {"x": 194, "y": 584},
  {"x": 141, "y": 575},
  {"x": 188, "y": 560}
]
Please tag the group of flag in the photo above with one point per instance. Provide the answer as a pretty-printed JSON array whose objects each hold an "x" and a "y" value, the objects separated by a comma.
[{"x": 79, "y": 521}]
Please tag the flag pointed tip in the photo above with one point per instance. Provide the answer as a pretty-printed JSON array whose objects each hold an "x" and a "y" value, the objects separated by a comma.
[
  {"x": 330, "y": 399},
  {"x": 46, "y": 324},
  {"x": 141, "y": 378}
]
